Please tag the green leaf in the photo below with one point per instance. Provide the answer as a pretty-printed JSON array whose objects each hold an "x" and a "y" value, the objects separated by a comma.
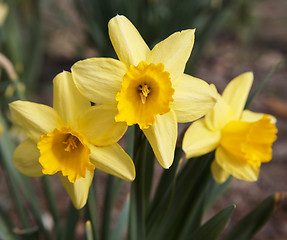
[
  {"x": 252, "y": 222},
  {"x": 213, "y": 227},
  {"x": 261, "y": 85},
  {"x": 191, "y": 184},
  {"x": 214, "y": 191}
]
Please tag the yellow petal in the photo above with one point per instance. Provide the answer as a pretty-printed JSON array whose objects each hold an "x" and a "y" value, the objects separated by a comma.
[
  {"x": 99, "y": 126},
  {"x": 79, "y": 190},
  {"x": 248, "y": 116},
  {"x": 173, "y": 52},
  {"x": 162, "y": 137},
  {"x": 236, "y": 168},
  {"x": 236, "y": 93},
  {"x": 36, "y": 119},
  {"x": 218, "y": 117},
  {"x": 193, "y": 98},
  {"x": 68, "y": 101},
  {"x": 199, "y": 140},
  {"x": 26, "y": 159},
  {"x": 218, "y": 173},
  {"x": 113, "y": 160},
  {"x": 127, "y": 42},
  {"x": 99, "y": 79}
]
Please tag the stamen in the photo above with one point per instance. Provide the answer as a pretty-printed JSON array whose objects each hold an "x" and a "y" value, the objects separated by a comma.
[
  {"x": 71, "y": 143},
  {"x": 144, "y": 91}
]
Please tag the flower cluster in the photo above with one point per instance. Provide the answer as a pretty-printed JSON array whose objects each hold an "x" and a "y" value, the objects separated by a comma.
[{"x": 147, "y": 87}]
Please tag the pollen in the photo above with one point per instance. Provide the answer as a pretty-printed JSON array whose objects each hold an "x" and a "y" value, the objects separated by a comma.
[
  {"x": 250, "y": 142},
  {"x": 145, "y": 93},
  {"x": 65, "y": 150},
  {"x": 71, "y": 143}
]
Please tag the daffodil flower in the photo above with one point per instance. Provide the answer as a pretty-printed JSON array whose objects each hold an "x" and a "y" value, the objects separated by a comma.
[
  {"x": 242, "y": 138},
  {"x": 146, "y": 87},
  {"x": 71, "y": 139}
]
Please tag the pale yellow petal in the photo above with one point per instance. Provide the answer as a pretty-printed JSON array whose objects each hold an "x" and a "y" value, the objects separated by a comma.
[
  {"x": 26, "y": 159},
  {"x": 79, "y": 190},
  {"x": 36, "y": 119},
  {"x": 68, "y": 101},
  {"x": 248, "y": 116},
  {"x": 218, "y": 173},
  {"x": 173, "y": 52},
  {"x": 199, "y": 140},
  {"x": 127, "y": 42},
  {"x": 162, "y": 137},
  {"x": 99, "y": 79},
  {"x": 193, "y": 98},
  {"x": 113, "y": 160},
  {"x": 236, "y": 93},
  {"x": 234, "y": 167},
  {"x": 99, "y": 126},
  {"x": 218, "y": 117}
]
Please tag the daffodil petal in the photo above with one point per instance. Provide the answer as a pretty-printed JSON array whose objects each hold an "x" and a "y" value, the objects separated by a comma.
[
  {"x": 199, "y": 140},
  {"x": 68, "y": 101},
  {"x": 79, "y": 190},
  {"x": 99, "y": 79},
  {"x": 249, "y": 116},
  {"x": 127, "y": 42},
  {"x": 218, "y": 173},
  {"x": 193, "y": 98},
  {"x": 162, "y": 137},
  {"x": 236, "y": 93},
  {"x": 173, "y": 52},
  {"x": 36, "y": 119},
  {"x": 237, "y": 169},
  {"x": 99, "y": 126},
  {"x": 26, "y": 159},
  {"x": 218, "y": 117},
  {"x": 113, "y": 160}
]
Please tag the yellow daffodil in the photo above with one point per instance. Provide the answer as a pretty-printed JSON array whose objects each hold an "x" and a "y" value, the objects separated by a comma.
[
  {"x": 147, "y": 87},
  {"x": 242, "y": 138},
  {"x": 1, "y": 129},
  {"x": 71, "y": 139}
]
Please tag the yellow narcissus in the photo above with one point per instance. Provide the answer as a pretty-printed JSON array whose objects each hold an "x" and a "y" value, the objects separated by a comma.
[
  {"x": 71, "y": 139},
  {"x": 242, "y": 139},
  {"x": 146, "y": 87}
]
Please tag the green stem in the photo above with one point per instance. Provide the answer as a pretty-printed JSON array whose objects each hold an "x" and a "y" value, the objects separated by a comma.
[
  {"x": 108, "y": 207},
  {"x": 137, "y": 206},
  {"x": 92, "y": 210}
]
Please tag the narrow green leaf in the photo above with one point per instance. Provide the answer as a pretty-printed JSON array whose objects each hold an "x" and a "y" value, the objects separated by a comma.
[
  {"x": 213, "y": 227},
  {"x": 261, "y": 85},
  {"x": 254, "y": 220},
  {"x": 50, "y": 199},
  {"x": 213, "y": 192},
  {"x": 191, "y": 184}
]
